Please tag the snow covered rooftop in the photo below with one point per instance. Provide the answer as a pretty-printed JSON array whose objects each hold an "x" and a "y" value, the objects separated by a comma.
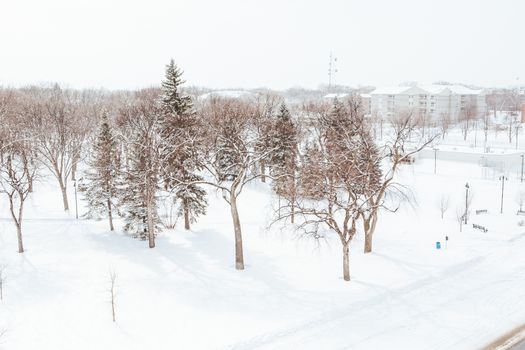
[
  {"x": 433, "y": 89},
  {"x": 226, "y": 93},
  {"x": 455, "y": 89},
  {"x": 390, "y": 90},
  {"x": 341, "y": 95}
]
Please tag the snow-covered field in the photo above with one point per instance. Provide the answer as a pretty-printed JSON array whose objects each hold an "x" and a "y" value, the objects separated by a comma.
[{"x": 186, "y": 294}]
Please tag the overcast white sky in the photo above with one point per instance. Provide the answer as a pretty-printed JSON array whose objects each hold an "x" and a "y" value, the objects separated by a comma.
[{"x": 272, "y": 43}]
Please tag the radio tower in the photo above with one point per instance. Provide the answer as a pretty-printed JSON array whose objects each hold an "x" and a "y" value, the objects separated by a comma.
[{"x": 332, "y": 69}]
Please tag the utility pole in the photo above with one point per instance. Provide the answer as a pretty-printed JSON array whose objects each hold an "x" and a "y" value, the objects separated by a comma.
[
  {"x": 466, "y": 202},
  {"x": 332, "y": 69},
  {"x": 503, "y": 179}
]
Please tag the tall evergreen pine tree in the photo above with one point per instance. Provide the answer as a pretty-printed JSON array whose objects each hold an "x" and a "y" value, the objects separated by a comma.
[
  {"x": 283, "y": 159},
  {"x": 227, "y": 156},
  {"x": 283, "y": 140},
  {"x": 140, "y": 182},
  {"x": 101, "y": 186},
  {"x": 179, "y": 126}
]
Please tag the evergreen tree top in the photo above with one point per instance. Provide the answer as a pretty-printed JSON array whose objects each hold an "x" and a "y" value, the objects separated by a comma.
[
  {"x": 338, "y": 109},
  {"x": 172, "y": 99},
  {"x": 284, "y": 113}
]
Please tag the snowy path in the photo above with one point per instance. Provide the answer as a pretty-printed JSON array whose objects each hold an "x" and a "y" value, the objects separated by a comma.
[{"x": 451, "y": 310}]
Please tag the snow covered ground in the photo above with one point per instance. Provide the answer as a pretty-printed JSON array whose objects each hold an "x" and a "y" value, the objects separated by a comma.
[{"x": 186, "y": 294}]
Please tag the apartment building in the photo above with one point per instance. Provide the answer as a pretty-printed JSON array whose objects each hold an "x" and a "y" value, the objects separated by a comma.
[{"x": 432, "y": 101}]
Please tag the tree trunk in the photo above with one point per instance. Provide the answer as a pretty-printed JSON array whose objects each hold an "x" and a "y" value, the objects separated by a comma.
[
  {"x": 239, "y": 258},
  {"x": 17, "y": 221},
  {"x": 292, "y": 204},
  {"x": 113, "y": 305},
  {"x": 110, "y": 216},
  {"x": 186, "y": 215},
  {"x": 368, "y": 242},
  {"x": 346, "y": 263},
  {"x": 151, "y": 226},
  {"x": 369, "y": 226},
  {"x": 263, "y": 171},
  {"x": 292, "y": 215},
  {"x": 19, "y": 224},
  {"x": 19, "y": 236},
  {"x": 63, "y": 189},
  {"x": 29, "y": 178}
]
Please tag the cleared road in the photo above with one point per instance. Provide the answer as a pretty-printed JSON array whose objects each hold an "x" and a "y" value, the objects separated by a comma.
[{"x": 519, "y": 346}]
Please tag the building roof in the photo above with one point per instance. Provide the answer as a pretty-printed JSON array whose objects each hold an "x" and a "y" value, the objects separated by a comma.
[
  {"x": 336, "y": 95},
  {"x": 429, "y": 89},
  {"x": 226, "y": 94},
  {"x": 390, "y": 90}
]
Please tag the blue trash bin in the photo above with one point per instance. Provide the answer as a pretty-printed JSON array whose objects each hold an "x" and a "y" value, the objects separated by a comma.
[{"x": 438, "y": 245}]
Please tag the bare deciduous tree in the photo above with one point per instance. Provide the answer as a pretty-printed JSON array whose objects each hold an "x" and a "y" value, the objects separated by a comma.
[
  {"x": 343, "y": 167},
  {"x": 467, "y": 116},
  {"x": 445, "y": 122},
  {"x": 396, "y": 151},
  {"x": 487, "y": 122},
  {"x": 229, "y": 149},
  {"x": 168, "y": 211},
  {"x": 520, "y": 199},
  {"x": 460, "y": 217},
  {"x": 444, "y": 204},
  {"x": 16, "y": 173},
  {"x": 59, "y": 132},
  {"x": 112, "y": 292}
]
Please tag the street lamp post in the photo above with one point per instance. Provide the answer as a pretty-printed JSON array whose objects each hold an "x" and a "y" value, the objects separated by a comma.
[
  {"x": 521, "y": 178},
  {"x": 517, "y": 134},
  {"x": 503, "y": 179},
  {"x": 466, "y": 201}
]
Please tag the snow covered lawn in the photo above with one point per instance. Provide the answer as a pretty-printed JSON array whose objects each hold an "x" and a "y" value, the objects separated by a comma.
[{"x": 186, "y": 294}]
